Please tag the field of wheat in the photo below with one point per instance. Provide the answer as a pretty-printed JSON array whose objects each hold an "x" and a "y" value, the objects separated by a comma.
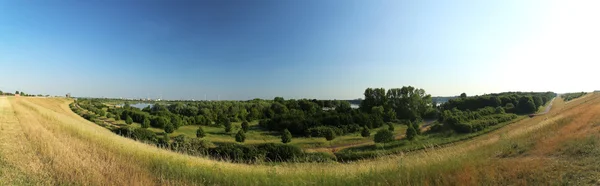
[{"x": 43, "y": 142}]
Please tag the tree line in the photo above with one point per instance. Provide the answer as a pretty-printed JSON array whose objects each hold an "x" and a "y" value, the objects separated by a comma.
[{"x": 471, "y": 114}]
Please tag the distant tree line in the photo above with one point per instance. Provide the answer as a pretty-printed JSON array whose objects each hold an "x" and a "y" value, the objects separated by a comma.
[{"x": 571, "y": 96}]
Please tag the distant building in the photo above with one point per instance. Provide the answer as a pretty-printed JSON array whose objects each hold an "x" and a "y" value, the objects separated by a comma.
[{"x": 68, "y": 95}]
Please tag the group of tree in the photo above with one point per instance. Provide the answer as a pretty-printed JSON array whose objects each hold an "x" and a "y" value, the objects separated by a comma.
[
  {"x": 571, "y": 96},
  {"x": 471, "y": 114}
]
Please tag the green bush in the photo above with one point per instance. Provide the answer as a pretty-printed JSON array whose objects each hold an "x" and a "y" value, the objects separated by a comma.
[{"x": 383, "y": 136}]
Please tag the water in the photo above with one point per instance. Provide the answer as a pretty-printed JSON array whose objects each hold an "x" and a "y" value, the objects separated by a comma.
[{"x": 138, "y": 105}]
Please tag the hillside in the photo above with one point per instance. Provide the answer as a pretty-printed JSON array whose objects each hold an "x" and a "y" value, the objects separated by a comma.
[{"x": 43, "y": 142}]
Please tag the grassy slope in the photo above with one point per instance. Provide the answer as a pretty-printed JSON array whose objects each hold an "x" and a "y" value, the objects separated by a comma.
[{"x": 532, "y": 151}]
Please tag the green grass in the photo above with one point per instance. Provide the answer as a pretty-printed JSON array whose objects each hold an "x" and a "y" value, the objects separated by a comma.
[{"x": 256, "y": 135}]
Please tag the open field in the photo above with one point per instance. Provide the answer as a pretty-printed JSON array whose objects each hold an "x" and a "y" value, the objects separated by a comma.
[{"x": 43, "y": 142}]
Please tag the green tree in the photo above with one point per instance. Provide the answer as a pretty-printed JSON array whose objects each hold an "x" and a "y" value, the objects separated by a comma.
[
  {"x": 169, "y": 128},
  {"x": 329, "y": 134},
  {"x": 391, "y": 127},
  {"x": 526, "y": 105},
  {"x": 411, "y": 133},
  {"x": 240, "y": 136},
  {"x": 417, "y": 127},
  {"x": 383, "y": 136},
  {"x": 365, "y": 132},
  {"x": 146, "y": 123},
  {"x": 17, "y": 92},
  {"x": 538, "y": 101},
  {"x": 128, "y": 120},
  {"x": 227, "y": 125},
  {"x": 176, "y": 122},
  {"x": 286, "y": 137},
  {"x": 245, "y": 126},
  {"x": 463, "y": 95},
  {"x": 200, "y": 132}
]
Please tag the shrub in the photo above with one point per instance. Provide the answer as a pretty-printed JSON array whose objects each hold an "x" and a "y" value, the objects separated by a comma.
[
  {"x": 390, "y": 127},
  {"x": 142, "y": 134},
  {"x": 245, "y": 126},
  {"x": 169, "y": 128},
  {"x": 200, "y": 132},
  {"x": 279, "y": 152},
  {"x": 240, "y": 136},
  {"x": 329, "y": 135},
  {"x": 365, "y": 132},
  {"x": 227, "y": 125},
  {"x": 128, "y": 120},
  {"x": 383, "y": 136},
  {"x": 411, "y": 133},
  {"x": 286, "y": 137},
  {"x": 146, "y": 123}
]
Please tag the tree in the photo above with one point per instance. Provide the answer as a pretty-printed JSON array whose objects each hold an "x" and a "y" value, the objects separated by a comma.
[
  {"x": 526, "y": 105},
  {"x": 146, "y": 123},
  {"x": 383, "y": 136},
  {"x": 245, "y": 126},
  {"x": 227, "y": 125},
  {"x": 286, "y": 137},
  {"x": 411, "y": 133},
  {"x": 169, "y": 128},
  {"x": 200, "y": 132},
  {"x": 329, "y": 134},
  {"x": 240, "y": 136},
  {"x": 538, "y": 101},
  {"x": 390, "y": 127},
  {"x": 417, "y": 127},
  {"x": 463, "y": 95},
  {"x": 17, "y": 92},
  {"x": 365, "y": 132},
  {"x": 176, "y": 122},
  {"x": 128, "y": 120}
]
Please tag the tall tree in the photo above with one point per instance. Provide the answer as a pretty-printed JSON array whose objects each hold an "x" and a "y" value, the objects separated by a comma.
[{"x": 463, "y": 95}]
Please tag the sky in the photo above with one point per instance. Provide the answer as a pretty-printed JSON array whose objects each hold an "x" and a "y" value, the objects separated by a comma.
[{"x": 246, "y": 49}]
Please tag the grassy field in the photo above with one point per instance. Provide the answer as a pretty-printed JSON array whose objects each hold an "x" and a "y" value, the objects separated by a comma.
[{"x": 43, "y": 142}]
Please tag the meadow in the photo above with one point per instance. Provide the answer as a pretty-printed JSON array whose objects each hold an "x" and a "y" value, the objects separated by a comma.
[{"x": 44, "y": 142}]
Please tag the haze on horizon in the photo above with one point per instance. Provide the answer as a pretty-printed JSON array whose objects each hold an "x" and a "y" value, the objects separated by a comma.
[{"x": 296, "y": 49}]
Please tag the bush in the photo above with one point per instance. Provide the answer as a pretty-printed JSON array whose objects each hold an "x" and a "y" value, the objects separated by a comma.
[
  {"x": 411, "y": 133},
  {"x": 245, "y": 126},
  {"x": 329, "y": 135},
  {"x": 286, "y": 137},
  {"x": 200, "y": 132},
  {"x": 128, "y": 120},
  {"x": 142, "y": 134},
  {"x": 391, "y": 127},
  {"x": 169, "y": 128},
  {"x": 365, "y": 132},
  {"x": 383, "y": 136},
  {"x": 146, "y": 123},
  {"x": 240, "y": 136},
  {"x": 279, "y": 152}
]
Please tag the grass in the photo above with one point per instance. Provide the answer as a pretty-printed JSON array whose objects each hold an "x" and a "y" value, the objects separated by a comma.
[{"x": 72, "y": 150}]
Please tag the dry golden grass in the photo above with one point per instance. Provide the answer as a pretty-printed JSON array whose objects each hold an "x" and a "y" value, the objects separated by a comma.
[{"x": 43, "y": 142}]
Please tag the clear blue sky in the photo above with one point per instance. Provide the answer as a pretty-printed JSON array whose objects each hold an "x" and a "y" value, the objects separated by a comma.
[{"x": 244, "y": 49}]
